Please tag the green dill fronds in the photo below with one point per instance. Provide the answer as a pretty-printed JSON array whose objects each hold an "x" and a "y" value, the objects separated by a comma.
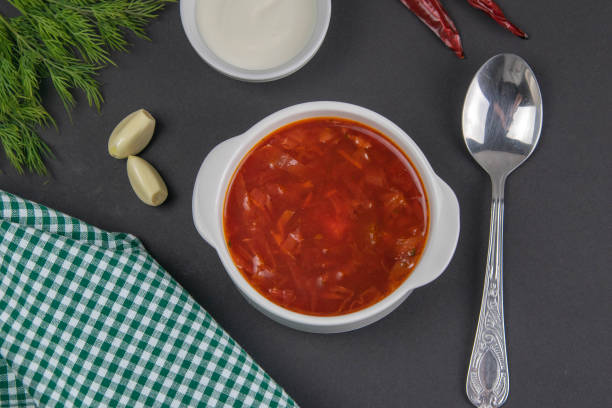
[{"x": 67, "y": 41}]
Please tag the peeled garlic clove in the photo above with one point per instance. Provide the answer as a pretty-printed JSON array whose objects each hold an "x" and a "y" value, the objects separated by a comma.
[
  {"x": 131, "y": 135},
  {"x": 146, "y": 181}
]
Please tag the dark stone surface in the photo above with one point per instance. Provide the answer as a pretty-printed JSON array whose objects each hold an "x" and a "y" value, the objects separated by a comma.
[{"x": 558, "y": 226}]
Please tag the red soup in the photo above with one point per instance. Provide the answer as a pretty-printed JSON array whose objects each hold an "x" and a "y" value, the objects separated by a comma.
[{"x": 325, "y": 216}]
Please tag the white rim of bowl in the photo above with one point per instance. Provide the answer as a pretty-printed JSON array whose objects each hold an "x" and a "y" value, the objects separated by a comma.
[{"x": 188, "y": 19}]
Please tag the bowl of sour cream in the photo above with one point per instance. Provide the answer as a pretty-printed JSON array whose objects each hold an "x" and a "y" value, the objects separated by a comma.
[{"x": 256, "y": 40}]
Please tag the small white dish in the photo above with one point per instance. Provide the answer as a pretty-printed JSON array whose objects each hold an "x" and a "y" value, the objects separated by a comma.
[
  {"x": 216, "y": 173},
  {"x": 188, "y": 18}
]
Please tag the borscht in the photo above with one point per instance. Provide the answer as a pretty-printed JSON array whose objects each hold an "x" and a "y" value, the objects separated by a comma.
[{"x": 325, "y": 216}]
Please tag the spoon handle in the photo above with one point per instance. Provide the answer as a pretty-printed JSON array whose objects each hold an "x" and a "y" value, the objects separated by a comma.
[{"x": 487, "y": 380}]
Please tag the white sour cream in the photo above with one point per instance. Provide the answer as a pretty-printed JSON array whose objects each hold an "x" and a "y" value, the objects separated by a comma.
[{"x": 256, "y": 34}]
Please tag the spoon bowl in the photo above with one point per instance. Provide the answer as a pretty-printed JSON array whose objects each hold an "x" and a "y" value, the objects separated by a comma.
[
  {"x": 502, "y": 121},
  {"x": 502, "y": 114}
]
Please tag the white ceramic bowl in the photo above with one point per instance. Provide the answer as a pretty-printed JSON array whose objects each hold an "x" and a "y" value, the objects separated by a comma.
[
  {"x": 188, "y": 18},
  {"x": 218, "y": 168}
]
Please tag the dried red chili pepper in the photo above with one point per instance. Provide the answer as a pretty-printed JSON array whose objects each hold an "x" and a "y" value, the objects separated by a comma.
[
  {"x": 496, "y": 13},
  {"x": 435, "y": 17}
]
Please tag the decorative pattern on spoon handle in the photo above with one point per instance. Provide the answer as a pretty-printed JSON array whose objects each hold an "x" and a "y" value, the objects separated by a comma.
[{"x": 487, "y": 381}]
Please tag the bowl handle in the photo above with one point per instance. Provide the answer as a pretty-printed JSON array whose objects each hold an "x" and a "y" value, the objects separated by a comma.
[
  {"x": 443, "y": 236},
  {"x": 448, "y": 224},
  {"x": 208, "y": 196}
]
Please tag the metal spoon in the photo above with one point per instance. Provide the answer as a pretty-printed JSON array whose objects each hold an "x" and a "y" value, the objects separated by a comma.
[{"x": 502, "y": 120}]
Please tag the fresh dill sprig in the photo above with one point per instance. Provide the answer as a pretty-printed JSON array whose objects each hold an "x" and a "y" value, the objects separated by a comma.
[{"x": 67, "y": 41}]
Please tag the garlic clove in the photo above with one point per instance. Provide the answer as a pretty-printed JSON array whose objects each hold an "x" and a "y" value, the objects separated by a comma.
[
  {"x": 131, "y": 135},
  {"x": 146, "y": 181}
]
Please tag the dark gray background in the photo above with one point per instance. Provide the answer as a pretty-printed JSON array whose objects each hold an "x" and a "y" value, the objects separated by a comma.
[{"x": 377, "y": 54}]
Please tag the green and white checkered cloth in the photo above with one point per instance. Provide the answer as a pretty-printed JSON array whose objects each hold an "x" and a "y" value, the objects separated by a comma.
[{"x": 88, "y": 318}]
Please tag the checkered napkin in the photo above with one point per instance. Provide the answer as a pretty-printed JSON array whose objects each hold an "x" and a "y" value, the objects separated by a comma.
[{"x": 88, "y": 318}]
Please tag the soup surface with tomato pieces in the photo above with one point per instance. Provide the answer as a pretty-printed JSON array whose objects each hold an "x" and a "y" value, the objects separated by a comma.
[{"x": 325, "y": 216}]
